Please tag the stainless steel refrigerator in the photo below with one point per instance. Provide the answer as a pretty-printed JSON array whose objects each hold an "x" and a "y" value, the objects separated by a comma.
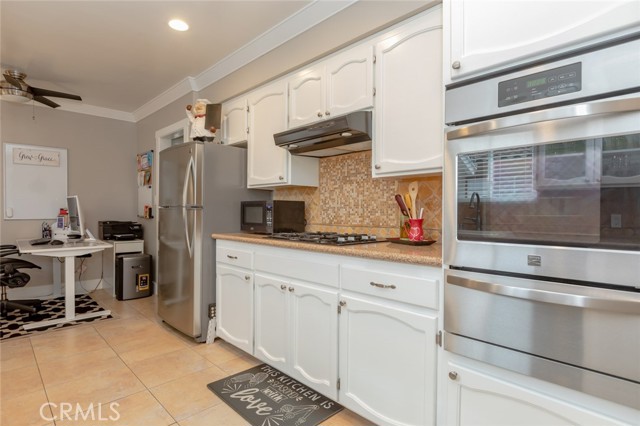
[{"x": 201, "y": 187}]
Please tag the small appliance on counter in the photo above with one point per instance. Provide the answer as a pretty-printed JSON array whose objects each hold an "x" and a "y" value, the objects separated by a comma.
[
  {"x": 118, "y": 230},
  {"x": 268, "y": 217}
]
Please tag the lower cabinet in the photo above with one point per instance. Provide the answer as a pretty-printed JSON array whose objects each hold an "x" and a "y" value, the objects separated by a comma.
[
  {"x": 387, "y": 362},
  {"x": 478, "y": 398},
  {"x": 359, "y": 331},
  {"x": 234, "y": 306},
  {"x": 297, "y": 330}
]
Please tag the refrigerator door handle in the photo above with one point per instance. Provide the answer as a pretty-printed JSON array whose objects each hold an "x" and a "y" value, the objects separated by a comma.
[
  {"x": 189, "y": 182},
  {"x": 189, "y": 178},
  {"x": 188, "y": 233}
]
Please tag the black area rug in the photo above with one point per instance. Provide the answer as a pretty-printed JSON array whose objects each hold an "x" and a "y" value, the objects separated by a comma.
[
  {"x": 11, "y": 325},
  {"x": 265, "y": 396}
]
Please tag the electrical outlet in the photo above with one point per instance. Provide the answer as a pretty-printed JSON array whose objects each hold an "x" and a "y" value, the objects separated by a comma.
[{"x": 616, "y": 220}]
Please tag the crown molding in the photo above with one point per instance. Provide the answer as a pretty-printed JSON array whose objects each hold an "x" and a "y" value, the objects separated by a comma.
[{"x": 305, "y": 19}]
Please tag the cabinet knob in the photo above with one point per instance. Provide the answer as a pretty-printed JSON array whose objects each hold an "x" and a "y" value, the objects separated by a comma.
[
  {"x": 281, "y": 177},
  {"x": 453, "y": 375},
  {"x": 291, "y": 289},
  {"x": 283, "y": 287},
  {"x": 343, "y": 303},
  {"x": 327, "y": 113},
  {"x": 456, "y": 65},
  {"x": 319, "y": 114},
  {"x": 247, "y": 277},
  {"x": 377, "y": 166}
]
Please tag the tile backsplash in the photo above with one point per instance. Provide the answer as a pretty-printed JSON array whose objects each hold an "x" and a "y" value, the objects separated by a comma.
[{"x": 348, "y": 199}]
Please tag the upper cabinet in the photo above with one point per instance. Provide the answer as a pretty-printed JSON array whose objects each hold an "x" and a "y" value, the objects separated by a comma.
[
  {"x": 476, "y": 30},
  {"x": 339, "y": 85},
  {"x": 268, "y": 165},
  {"x": 408, "y": 103},
  {"x": 234, "y": 122}
]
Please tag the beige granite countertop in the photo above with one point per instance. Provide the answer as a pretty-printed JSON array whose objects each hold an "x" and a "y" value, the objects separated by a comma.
[{"x": 420, "y": 255}]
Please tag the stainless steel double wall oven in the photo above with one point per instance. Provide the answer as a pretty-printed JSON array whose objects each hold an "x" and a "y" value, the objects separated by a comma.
[{"x": 542, "y": 190}]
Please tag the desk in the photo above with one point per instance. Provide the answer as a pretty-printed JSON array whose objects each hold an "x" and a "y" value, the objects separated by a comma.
[{"x": 68, "y": 251}]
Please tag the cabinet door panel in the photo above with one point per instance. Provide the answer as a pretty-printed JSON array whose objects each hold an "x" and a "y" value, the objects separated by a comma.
[
  {"x": 234, "y": 122},
  {"x": 306, "y": 97},
  {"x": 234, "y": 288},
  {"x": 408, "y": 104},
  {"x": 350, "y": 81},
  {"x": 314, "y": 337},
  {"x": 478, "y": 399},
  {"x": 387, "y": 363},
  {"x": 479, "y": 48},
  {"x": 267, "y": 164},
  {"x": 271, "y": 339}
]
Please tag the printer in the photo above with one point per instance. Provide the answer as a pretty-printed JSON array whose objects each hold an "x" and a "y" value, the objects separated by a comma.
[{"x": 117, "y": 230}]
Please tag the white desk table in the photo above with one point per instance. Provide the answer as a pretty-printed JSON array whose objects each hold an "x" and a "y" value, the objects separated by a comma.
[{"x": 68, "y": 251}]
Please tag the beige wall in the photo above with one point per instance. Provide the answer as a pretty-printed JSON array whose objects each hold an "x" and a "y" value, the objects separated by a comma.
[{"x": 101, "y": 170}]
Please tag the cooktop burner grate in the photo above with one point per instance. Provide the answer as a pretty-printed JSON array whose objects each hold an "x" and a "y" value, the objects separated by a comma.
[{"x": 329, "y": 238}]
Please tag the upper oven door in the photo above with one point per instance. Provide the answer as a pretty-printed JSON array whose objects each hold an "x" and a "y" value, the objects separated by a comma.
[{"x": 553, "y": 193}]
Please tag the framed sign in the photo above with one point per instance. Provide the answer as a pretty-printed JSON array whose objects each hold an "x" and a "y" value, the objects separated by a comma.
[{"x": 35, "y": 181}]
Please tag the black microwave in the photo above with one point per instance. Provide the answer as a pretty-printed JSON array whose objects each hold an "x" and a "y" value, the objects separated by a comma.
[{"x": 268, "y": 217}]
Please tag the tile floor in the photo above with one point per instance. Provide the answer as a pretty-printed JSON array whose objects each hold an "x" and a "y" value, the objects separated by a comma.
[{"x": 157, "y": 376}]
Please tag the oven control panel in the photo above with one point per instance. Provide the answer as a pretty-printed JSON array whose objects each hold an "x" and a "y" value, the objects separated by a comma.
[{"x": 545, "y": 84}]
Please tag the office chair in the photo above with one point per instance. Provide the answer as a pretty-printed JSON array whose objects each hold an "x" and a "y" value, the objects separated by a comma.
[{"x": 11, "y": 277}]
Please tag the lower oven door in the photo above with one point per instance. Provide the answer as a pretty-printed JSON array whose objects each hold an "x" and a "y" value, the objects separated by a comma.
[{"x": 584, "y": 338}]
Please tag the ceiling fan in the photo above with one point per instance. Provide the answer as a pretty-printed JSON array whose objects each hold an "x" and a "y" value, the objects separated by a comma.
[{"x": 15, "y": 89}]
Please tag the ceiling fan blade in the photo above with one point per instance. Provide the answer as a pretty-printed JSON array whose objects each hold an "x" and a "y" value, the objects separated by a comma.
[
  {"x": 13, "y": 81},
  {"x": 45, "y": 101},
  {"x": 45, "y": 92}
]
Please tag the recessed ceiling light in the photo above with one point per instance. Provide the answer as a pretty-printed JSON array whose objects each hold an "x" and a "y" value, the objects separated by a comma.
[{"x": 178, "y": 25}]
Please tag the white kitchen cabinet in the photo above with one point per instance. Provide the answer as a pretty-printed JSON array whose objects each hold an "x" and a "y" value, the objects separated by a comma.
[
  {"x": 486, "y": 35},
  {"x": 297, "y": 321},
  {"x": 476, "y": 397},
  {"x": 268, "y": 165},
  {"x": 341, "y": 84},
  {"x": 408, "y": 116},
  {"x": 272, "y": 319},
  {"x": 314, "y": 336},
  {"x": 387, "y": 347},
  {"x": 234, "y": 306},
  {"x": 235, "y": 122}
]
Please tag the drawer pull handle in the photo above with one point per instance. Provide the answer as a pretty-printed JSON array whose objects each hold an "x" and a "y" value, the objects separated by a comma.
[
  {"x": 232, "y": 257},
  {"x": 247, "y": 277},
  {"x": 375, "y": 284}
]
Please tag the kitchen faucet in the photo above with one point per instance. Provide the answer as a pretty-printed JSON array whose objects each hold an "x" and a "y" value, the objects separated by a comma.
[{"x": 474, "y": 203}]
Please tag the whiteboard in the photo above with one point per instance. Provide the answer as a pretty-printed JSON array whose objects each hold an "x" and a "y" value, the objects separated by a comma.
[{"x": 35, "y": 181}]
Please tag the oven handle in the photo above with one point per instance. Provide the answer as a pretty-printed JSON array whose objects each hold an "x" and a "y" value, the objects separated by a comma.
[
  {"x": 553, "y": 114},
  {"x": 614, "y": 302}
]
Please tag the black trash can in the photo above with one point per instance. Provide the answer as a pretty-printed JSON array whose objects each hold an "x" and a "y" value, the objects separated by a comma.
[{"x": 133, "y": 276}]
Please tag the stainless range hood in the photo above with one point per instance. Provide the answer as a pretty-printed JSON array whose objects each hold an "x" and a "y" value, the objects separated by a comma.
[{"x": 336, "y": 136}]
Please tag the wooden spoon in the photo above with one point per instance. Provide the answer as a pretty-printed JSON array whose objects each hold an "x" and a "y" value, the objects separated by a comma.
[{"x": 413, "y": 193}]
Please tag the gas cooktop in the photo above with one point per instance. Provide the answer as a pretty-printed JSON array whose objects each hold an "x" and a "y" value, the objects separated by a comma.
[{"x": 329, "y": 238}]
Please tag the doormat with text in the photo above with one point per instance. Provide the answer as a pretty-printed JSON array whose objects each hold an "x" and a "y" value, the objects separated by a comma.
[{"x": 265, "y": 396}]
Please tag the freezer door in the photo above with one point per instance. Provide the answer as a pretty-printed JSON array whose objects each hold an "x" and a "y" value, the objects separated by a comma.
[
  {"x": 179, "y": 268},
  {"x": 181, "y": 175}
]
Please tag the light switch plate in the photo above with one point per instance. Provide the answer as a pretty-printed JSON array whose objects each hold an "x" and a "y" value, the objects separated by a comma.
[{"x": 616, "y": 221}]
